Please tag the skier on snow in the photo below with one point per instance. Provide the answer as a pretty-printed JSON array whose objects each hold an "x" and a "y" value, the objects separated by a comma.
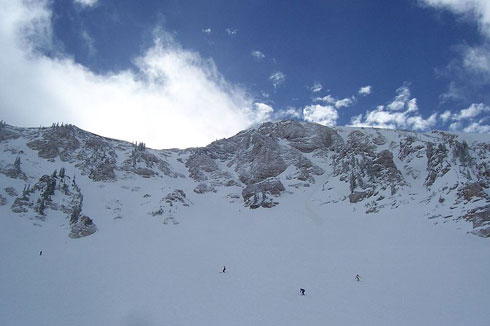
[
  {"x": 302, "y": 291},
  {"x": 358, "y": 278},
  {"x": 224, "y": 269}
]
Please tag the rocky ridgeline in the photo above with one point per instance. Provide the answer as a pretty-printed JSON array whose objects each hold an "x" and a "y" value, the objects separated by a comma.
[
  {"x": 93, "y": 155},
  {"x": 380, "y": 169},
  {"x": 378, "y": 166}
]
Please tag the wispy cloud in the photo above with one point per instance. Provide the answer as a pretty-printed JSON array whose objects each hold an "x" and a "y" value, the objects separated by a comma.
[
  {"x": 366, "y": 90},
  {"x": 206, "y": 30},
  {"x": 231, "y": 31},
  {"x": 277, "y": 79},
  {"x": 172, "y": 97},
  {"x": 290, "y": 113},
  {"x": 338, "y": 103},
  {"x": 329, "y": 99},
  {"x": 257, "y": 55},
  {"x": 346, "y": 102},
  {"x": 478, "y": 10},
  {"x": 469, "y": 71},
  {"x": 316, "y": 87},
  {"x": 89, "y": 42},
  {"x": 86, "y": 3}
]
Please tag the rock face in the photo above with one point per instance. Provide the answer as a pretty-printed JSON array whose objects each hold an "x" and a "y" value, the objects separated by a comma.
[
  {"x": 259, "y": 194},
  {"x": 56, "y": 192},
  {"x": 257, "y": 156},
  {"x": 377, "y": 166},
  {"x": 83, "y": 228},
  {"x": 370, "y": 169}
]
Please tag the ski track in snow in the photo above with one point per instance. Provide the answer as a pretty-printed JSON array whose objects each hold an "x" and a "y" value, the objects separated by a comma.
[{"x": 312, "y": 214}]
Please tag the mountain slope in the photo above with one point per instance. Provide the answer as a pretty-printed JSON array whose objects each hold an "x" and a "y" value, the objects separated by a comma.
[{"x": 284, "y": 206}]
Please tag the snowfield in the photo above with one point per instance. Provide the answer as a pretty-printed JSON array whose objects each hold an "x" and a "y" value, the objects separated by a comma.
[{"x": 139, "y": 271}]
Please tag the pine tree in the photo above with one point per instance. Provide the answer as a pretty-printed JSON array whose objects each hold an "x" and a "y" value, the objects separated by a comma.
[
  {"x": 17, "y": 164},
  {"x": 25, "y": 192},
  {"x": 50, "y": 187},
  {"x": 352, "y": 182},
  {"x": 41, "y": 206},
  {"x": 75, "y": 214}
]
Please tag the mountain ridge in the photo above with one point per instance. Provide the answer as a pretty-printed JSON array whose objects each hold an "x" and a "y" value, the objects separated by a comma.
[{"x": 446, "y": 175}]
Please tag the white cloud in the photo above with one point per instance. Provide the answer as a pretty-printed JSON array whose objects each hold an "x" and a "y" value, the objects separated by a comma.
[
  {"x": 471, "y": 112},
  {"x": 418, "y": 123},
  {"x": 86, "y": 3},
  {"x": 445, "y": 116},
  {"x": 263, "y": 111},
  {"x": 277, "y": 79},
  {"x": 455, "y": 126},
  {"x": 316, "y": 87},
  {"x": 477, "y": 59},
  {"x": 206, "y": 30},
  {"x": 470, "y": 73},
  {"x": 289, "y": 113},
  {"x": 257, "y": 55},
  {"x": 400, "y": 113},
  {"x": 356, "y": 121},
  {"x": 366, "y": 90},
  {"x": 231, "y": 31},
  {"x": 346, "y": 102},
  {"x": 401, "y": 99},
  {"x": 466, "y": 119},
  {"x": 326, "y": 115},
  {"x": 478, "y": 10},
  {"x": 380, "y": 119},
  {"x": 329, "y": 99},
  {"x": 412, "y": 105},
  {"x": 477, "y": 127},
  {"x": 470, "y": 70},
  {"x": 171, "y": 98},
  {"x": 292, "y": 112}
]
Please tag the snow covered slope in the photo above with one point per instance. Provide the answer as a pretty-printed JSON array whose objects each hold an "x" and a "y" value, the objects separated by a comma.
[{"x": 135, "y": 236}]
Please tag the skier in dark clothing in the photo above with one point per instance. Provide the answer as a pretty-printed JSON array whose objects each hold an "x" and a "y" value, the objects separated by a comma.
[
  {"x": 41, "y": 253},
  {"x": 302, "y": 291},
  {"x": 358, "y": 278},
  {"x": 224, "y": 269}
]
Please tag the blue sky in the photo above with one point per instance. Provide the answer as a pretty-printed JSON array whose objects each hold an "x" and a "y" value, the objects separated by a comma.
[{"x": 184, "y": 73}]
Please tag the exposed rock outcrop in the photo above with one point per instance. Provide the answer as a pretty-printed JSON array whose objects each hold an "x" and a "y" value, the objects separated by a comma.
[{"x": 262, "y": 194}]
